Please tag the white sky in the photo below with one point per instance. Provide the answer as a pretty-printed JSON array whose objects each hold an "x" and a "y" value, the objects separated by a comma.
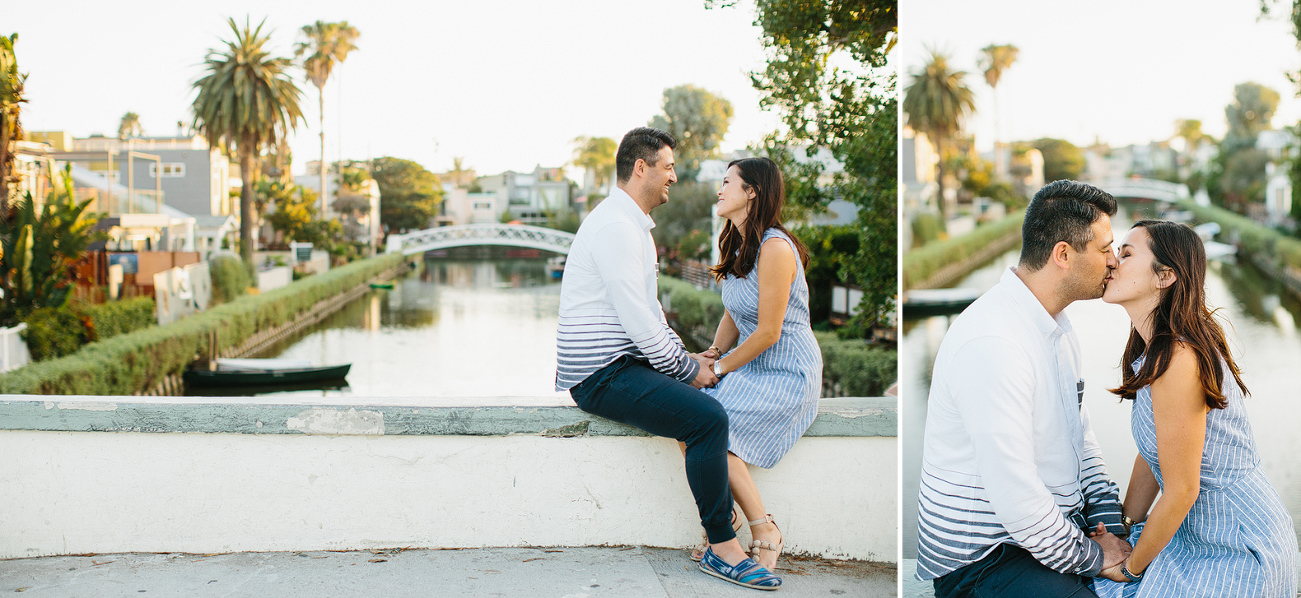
[
  {"x": 1119, "y": 70},
  {"x": 508, "y": 84}
]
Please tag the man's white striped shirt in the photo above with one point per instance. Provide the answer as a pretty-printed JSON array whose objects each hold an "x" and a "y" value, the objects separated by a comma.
[
  {"x": 1009, "y": 454},
  {"x": 608, "y": 298}
]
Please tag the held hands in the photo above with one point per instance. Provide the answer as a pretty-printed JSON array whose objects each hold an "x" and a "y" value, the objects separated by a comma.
[
  {"x": 705, "y": 377},
  {"x": 1114, "y": 553}
]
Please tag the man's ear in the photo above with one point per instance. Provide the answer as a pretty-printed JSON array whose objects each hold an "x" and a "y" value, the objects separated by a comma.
[
  {"x": 639, "y": 167},
  {"x": 1062, "y": 255}
]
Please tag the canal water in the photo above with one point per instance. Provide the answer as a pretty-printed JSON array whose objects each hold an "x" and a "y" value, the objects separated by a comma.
[
  {"x": 1262, "y": 333},
  {"x": 449, "y": 330}
]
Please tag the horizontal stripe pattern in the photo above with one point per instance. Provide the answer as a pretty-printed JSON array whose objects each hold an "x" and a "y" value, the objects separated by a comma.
[
  {"x": 1009, "y": 454},
  {"x": 609, "y": 305}
]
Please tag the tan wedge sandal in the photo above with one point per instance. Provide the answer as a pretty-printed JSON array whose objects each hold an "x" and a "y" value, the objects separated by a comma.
[
  {"x": 757, "y": 545},
  {"x": 698, "y": 552}
]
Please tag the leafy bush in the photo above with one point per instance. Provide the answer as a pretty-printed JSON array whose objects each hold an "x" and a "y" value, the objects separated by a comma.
[
  {"x": 855, "y": 368},
  {"x": 53, "y": 332},
  {"x": 1255, "y": 238},
  {"x": 230, "y": 279},
  {"x": 58, "y": 331},
  {"x": 108, "y": 320},
  {"x": 927, "y": 228},
  {"x": 919, "y": 264},
  {"x": 858, "y": 368},
  {"x": 138, "y": 361}
]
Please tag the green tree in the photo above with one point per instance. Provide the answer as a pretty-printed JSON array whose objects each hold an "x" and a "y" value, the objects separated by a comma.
[
  {"x": 39, "y": 249},
  {"x": 937, "y": 102},
  {"x": 994, "y": 60},
  {"x": 409, "y": 194},
  {"x": 699, "y": 120},
  {"x": 825, "y": 76},
  {"x": 295, "y": 214},
  {"x": 324, "y": 44},
  {"x": 1062, "y": 160},
  {"x": 129, "y": 126},
  {"x": 1190, "y": 130},
  {"x": 596, "y": 154},
  {"x": 1252, "y": 108},
  {"x": 12, "y": 84},
  {"x": 1238, "y": 172},
  {"x": 247, "y": 101}
]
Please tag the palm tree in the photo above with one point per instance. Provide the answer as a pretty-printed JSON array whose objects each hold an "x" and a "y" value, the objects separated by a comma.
[
  {"x": 936, "y": 102},
  {"x": 993, "y": 61},
  {"x": 248, "y": 101},
  {"x": 596, "y": 154},
  {"x": 325, "y": 44},
  {"x": 130, "y": 126},
  {"x": 11, "y": 129}
]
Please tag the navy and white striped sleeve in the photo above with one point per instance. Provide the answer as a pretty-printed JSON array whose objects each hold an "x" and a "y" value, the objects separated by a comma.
[
  {"x": 621, "y": 264},
  {"x": 1101, "y": 494}
]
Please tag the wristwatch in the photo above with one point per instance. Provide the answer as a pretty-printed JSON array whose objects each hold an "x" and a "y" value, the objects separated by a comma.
[
  {"x": 718, "y": 368},
  {"x": 1124, "y": 570}
]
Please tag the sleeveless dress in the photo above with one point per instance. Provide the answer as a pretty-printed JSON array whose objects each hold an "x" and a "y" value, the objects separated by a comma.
[
  {"x": 1238, "y": 538},
  {"x": 772, "y": 400}
]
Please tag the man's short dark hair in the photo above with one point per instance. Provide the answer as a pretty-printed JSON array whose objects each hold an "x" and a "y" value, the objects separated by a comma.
[
  {"x": 1061, "y": 211},
  {"x": 642, "y": 143}
]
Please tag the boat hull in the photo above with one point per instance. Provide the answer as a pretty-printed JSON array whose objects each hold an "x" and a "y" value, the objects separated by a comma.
[{"x": 264, "y": 377}]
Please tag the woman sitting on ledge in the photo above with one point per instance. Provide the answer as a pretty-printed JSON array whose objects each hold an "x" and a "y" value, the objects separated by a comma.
[{"x": 770, "y": 383}]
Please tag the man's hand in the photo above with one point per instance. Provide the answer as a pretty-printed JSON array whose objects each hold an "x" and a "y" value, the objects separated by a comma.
[
  {"x": 705, "y": 377},
  {"x": 1114, "y": 550},
  {"x": 1113, "y": 573}
]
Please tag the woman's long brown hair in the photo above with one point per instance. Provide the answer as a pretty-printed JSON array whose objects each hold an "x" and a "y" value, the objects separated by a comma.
[
  {"x": 738, "y": 250},
  {"x": 1180, "y": 315}
]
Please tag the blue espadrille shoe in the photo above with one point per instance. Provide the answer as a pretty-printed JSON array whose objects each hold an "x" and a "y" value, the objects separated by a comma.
[{"x": 746, "y": 573}]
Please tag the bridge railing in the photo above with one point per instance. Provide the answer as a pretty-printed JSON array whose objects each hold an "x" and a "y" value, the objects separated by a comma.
[{"x": 518, "y": 235}]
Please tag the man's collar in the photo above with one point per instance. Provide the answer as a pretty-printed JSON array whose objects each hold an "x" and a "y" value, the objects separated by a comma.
[
  {"x": 626, "y": 203},
  {"x": 1030, "y": 305}
]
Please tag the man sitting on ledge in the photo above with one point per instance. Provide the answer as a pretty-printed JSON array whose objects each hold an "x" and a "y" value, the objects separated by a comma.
[{"x": 618, "y": 358}]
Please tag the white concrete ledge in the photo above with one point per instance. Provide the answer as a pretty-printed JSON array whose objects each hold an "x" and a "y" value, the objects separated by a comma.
[{"x": 173, "y": 476}]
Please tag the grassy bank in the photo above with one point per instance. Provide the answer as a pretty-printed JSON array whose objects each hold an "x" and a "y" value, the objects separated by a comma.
[
  {"x": 1257, "y": 239},
  {"x": 857, "y": 368},
  {"x": 922, "y": 263},
  {"x": 133, "y": 362}
]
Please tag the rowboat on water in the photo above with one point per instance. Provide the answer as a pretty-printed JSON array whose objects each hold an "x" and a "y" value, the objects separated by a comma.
[
  {"x": 923, "y": 303},
  {"x": 261, "y": 372}
]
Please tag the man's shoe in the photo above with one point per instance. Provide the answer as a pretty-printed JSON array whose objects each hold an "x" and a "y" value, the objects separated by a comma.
[
  {"x": 698, "y": 552},
  {"x": 746, "y": 573}
]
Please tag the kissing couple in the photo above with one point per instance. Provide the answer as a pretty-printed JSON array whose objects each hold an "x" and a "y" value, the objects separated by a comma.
[{"x": 1015, "y": 499}]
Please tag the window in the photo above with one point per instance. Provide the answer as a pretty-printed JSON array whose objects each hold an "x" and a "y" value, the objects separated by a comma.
[
  {"x": 483, "y": 205},
  {"x": 170, "y": 170}
]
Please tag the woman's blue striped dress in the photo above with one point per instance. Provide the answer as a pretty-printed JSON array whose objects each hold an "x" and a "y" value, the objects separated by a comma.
[
  {"x": 772, "y": 400},
  {"x": 1238, "y": 538}
]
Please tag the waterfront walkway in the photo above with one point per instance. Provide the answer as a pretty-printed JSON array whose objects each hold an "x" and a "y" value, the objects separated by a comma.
[{"x": 588, "y": 572}]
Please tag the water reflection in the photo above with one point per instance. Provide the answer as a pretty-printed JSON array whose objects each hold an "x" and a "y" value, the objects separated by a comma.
[
  {"x": 450, "y": 328},
  {"x": 1261, "y": 319}
]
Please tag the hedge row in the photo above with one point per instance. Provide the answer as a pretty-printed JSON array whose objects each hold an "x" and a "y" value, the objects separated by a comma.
[
  {"x": 138, "y": 361},
  {"x": 1255, "y": 238},
  {"x": 919, "y": 264},
  {"x": 58, "y": 331},
  {"x": 859, "y": 369}
]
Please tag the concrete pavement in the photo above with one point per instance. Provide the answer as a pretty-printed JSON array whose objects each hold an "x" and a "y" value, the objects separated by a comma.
[{"x": 561, "y": 572}]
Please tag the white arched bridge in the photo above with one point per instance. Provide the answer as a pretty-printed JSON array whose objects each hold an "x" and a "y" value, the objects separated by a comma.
[
  {"x": 515, "y": 235},
  {"x": 1153, "y": 189}
]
